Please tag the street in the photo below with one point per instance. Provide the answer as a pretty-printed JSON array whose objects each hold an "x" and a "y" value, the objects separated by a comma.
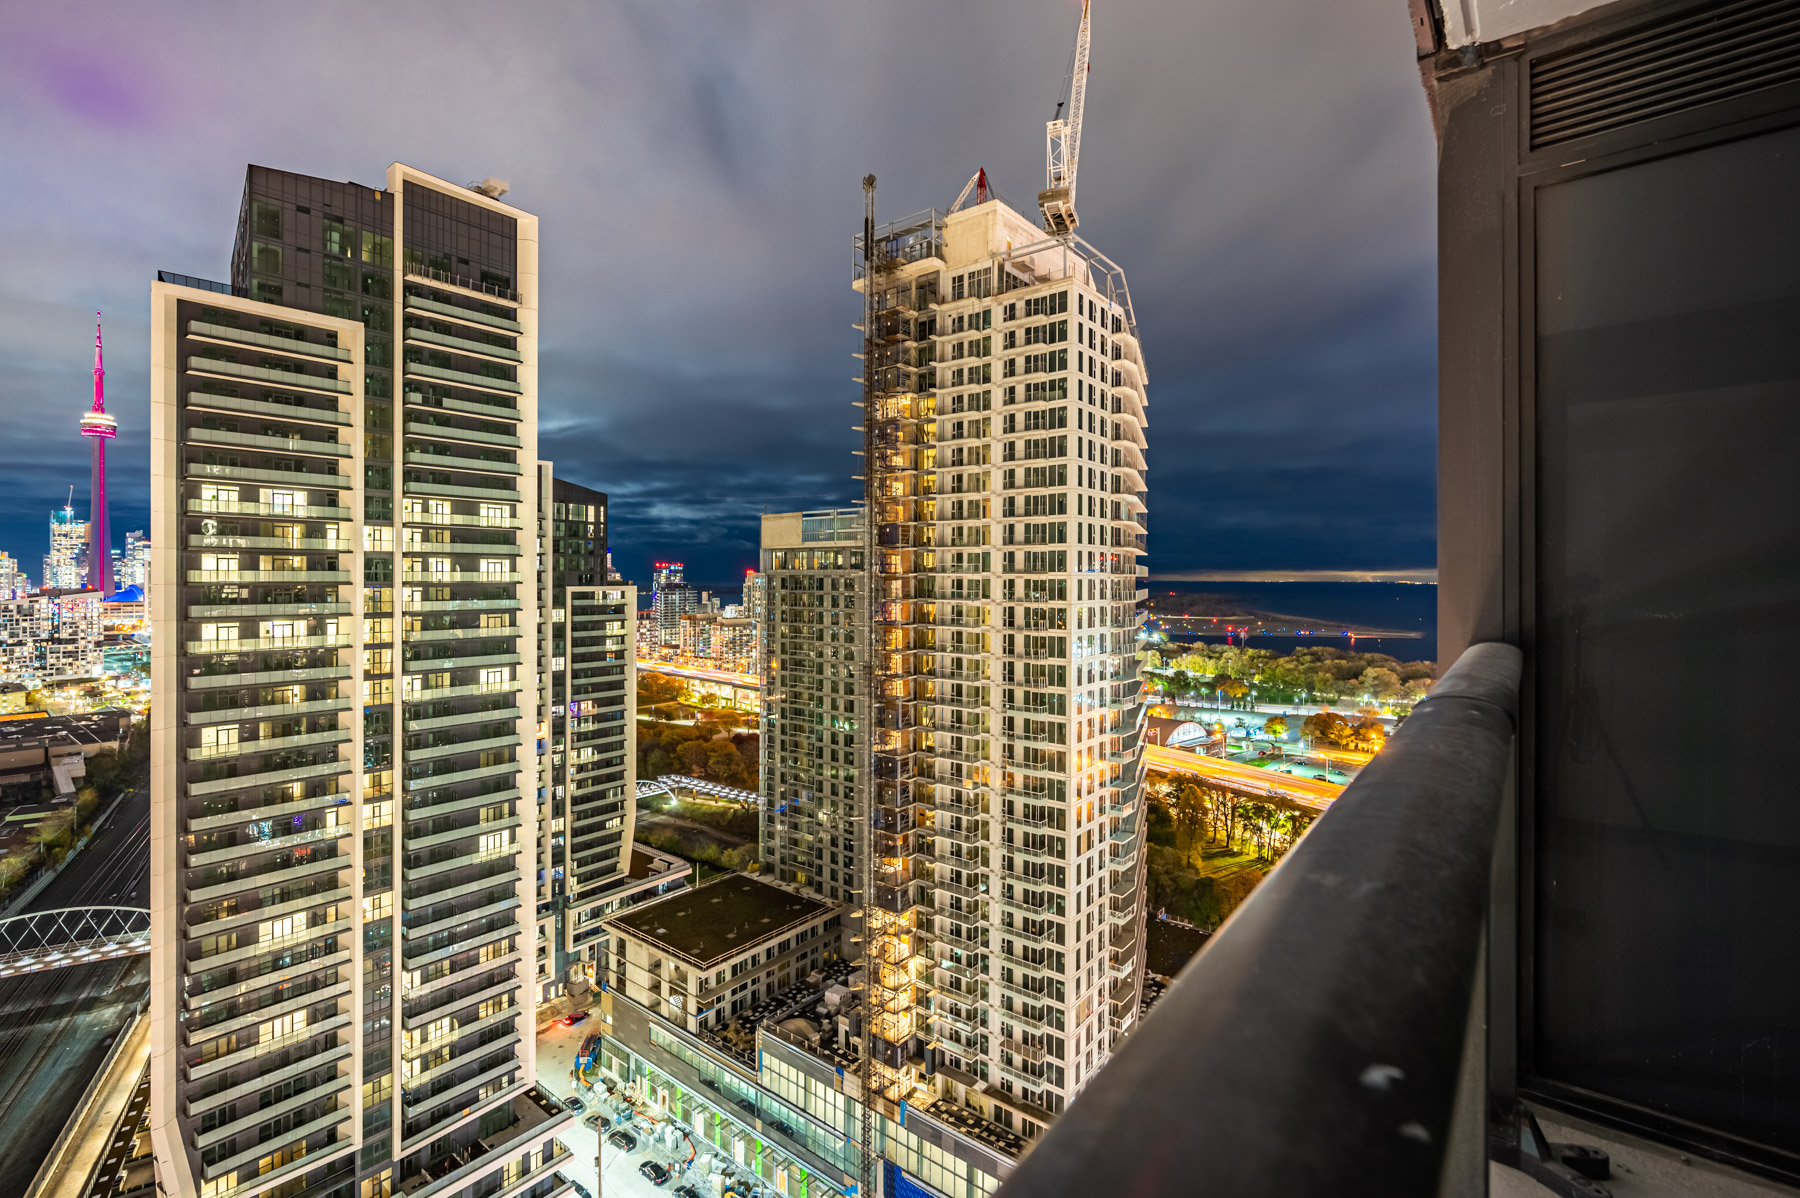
[
  {"x": 1244, "y": 779},
  {"x": 557, "y": 1046},
  {"x": 56, "y": 1026}
]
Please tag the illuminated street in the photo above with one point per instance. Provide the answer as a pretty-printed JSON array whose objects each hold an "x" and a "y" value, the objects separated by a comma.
[{"x": 1244, "y": 779}]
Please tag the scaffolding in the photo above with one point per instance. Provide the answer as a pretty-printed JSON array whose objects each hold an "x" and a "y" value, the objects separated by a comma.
[{"x": 895, "y": 324}]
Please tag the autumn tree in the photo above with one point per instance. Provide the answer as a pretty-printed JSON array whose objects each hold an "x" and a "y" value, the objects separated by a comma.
[
  {"x": 1189, "y": 809},
  {"x": 1275, "y": 727},
  {"x": 1328, "y": 727}
]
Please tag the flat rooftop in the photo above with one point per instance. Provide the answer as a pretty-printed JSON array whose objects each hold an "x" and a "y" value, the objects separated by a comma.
[{"x": 715, "y": 922}]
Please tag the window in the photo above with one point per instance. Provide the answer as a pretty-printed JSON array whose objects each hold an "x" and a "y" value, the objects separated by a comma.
[
  {"x": 276, "y": 929},
  {"x": 286, "y": 1025},
  {"x": 491, "y": 513},
  {"x": 211, "y": 496},
  {"x": 218, "y": 739},
  {"x": 339, "y": 238},
  {"x": 265, "y": 219},
  {"x": 378, "y": 906},
  {"x": 377, "y": 250},
  {"x": 285, "y": 1156},
  {"x": 286, "y": 501}
]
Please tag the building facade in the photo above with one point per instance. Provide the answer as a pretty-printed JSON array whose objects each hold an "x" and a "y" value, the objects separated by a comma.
[
  {"x": 134, "y": 563},
  {"x": 587, "y": 790},
  {"x": 51, "y": 637},
  {"x": 672, "y": 599},
  {"x": 1004, "y": 415},
  {"x": 344, "y": 658},
  {"x": 810, "y": 640},
  {"x": 737, "y": 1022},
  {"x": 63, "y": 565}
]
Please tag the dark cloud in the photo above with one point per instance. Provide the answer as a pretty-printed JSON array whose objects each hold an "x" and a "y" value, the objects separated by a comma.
[{"x": 1263, "y": 173}]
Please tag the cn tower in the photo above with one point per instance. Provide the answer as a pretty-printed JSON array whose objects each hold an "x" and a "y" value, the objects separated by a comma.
[{"x": 100, "y": 428}]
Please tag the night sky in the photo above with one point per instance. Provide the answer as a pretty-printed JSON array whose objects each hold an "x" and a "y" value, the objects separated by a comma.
[{"x": 1262, "y": 172}]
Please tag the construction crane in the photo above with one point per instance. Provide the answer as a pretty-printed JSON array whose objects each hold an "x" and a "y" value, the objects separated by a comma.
[
  {"x": 979, "y": 185},
  {"x": 1062, "y": 144}
]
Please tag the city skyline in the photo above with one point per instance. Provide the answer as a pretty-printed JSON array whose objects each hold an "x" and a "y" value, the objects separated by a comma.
[{"x": 1259, "y": 204}]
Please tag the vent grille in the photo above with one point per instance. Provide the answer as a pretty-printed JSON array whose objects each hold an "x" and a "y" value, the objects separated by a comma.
[{"x": 1656, "y": 70}]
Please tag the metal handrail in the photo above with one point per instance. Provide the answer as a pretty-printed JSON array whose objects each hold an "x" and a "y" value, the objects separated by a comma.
[{"x": 1328, "y": 1040}]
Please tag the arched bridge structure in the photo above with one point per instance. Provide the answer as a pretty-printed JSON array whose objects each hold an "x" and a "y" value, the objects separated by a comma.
[{"x": 66, "y": 936}]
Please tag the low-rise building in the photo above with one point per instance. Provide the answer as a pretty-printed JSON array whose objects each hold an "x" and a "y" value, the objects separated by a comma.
[
  {"x": 43, "y": 754},
  {"x": 708, "y": 954},
  {"x": 767, "y": 1083}
]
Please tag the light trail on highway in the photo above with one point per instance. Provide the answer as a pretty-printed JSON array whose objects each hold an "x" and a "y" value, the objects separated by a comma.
[
  {"x": 704, "y": 673},
  {"x": 1244, "y": 779}
]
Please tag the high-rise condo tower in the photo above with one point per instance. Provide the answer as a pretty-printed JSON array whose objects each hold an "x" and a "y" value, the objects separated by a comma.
[{"x": 344, "y": 815}]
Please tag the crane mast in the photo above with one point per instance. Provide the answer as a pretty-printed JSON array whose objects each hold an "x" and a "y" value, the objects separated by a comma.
[{"x": 1062, "y": 144}]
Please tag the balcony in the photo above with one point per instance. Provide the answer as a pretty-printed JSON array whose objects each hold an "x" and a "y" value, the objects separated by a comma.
[
  {"x": 1357, "y": 967},
  {"x": 466, "y": 315},
  {"x": 293, "y": 380}
]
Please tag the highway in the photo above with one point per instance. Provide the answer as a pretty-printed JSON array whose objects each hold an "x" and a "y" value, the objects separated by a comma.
[
  {"x": 55, "y": 1027},
  {"x": 1244, "y": 779},
  {"x": 704, "y": 673}
]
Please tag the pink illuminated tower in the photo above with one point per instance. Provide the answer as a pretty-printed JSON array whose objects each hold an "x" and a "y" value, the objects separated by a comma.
[{"x": 96, "y": 424}]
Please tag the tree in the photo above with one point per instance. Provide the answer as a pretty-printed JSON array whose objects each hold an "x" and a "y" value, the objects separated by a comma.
[
  {"x": 1275, "y": 727},
  {"x": 1328, "y": 727},
  {"x": 1189, "y": 809},
  {"x": 724, "y": 764},
  {"x": 654, "y": 690},
  {"x": 692, "y": 757},
  {"x": 1234, "y": 690},
  {"x": 1369, "y": 735},
  {"x": 1382, "y": 684}
]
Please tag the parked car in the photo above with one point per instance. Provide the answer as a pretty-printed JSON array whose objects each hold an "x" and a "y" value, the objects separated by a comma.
[
  {"x": 580, "y": 1190},
  {"x": 686, "y": 1192},
  {"x": 573, "y": 1018},
  {"x": 574, "y": 1103},
  {"x": 658, "y": 1175},
  {"x": 623, "y": 1140}
]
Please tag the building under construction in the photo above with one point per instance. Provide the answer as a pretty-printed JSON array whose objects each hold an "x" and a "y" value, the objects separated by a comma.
[{"x": 1004, "y": 431}]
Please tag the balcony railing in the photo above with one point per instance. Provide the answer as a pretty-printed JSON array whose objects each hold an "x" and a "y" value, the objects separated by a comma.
[{"x": 1331, "y": 1038}]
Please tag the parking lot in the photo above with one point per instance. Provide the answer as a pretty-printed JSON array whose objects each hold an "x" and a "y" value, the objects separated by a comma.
[{"x": 556, "y": 1058}]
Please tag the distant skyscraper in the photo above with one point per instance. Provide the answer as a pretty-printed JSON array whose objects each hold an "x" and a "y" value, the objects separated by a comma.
[
  {"x": 99, "y": 428},
  {"x": 134, "y": 566},
  {"x": 68, "y": 541},
  {"x": 672, "y": 599},
  {"x": 813, "y": 591},
  {"x": 11, "y": 580}
]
